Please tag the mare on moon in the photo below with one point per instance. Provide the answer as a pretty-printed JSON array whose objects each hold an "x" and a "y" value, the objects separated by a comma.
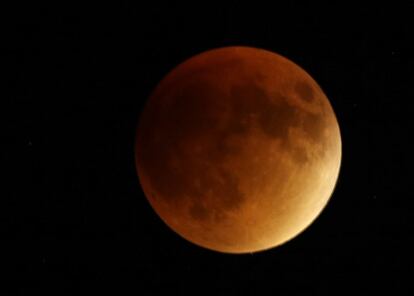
[{"x": 238, "y": 150}]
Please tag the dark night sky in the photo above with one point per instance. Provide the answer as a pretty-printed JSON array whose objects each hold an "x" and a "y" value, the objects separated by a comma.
[{"x": 74, "y": 82}]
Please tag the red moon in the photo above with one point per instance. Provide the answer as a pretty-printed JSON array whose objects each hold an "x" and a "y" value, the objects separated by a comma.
[{"x": 238, "y": 150}]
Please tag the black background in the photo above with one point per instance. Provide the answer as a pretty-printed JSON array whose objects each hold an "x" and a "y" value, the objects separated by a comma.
[{"x": 75, "y": 79}]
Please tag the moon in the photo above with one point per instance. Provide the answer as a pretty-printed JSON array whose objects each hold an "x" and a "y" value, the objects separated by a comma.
[{"x": 238, "y": 150}]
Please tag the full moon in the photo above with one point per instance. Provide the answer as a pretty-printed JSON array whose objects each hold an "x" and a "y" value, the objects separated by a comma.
[{"x": 238, "y": 150}]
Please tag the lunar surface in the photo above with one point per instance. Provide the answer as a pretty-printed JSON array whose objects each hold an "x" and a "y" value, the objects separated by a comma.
[{"x": 238, "y": 150}]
